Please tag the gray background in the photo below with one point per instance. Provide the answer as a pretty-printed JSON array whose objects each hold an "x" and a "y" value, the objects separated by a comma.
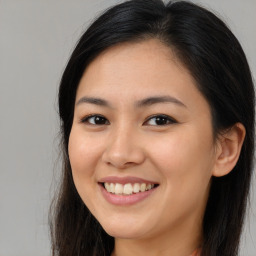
[{"x": 36, "y": 38}]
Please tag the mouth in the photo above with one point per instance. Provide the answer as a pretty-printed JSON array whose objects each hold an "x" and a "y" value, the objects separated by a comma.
[
  {"x": 127, "y": 188},
  {"x": 124, "y": 191}
]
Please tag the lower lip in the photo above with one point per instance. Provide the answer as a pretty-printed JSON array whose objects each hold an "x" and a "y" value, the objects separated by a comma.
[{"x": 125, "y": 200}]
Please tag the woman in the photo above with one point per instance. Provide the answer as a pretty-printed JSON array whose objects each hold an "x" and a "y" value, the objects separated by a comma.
[{"x": 157, "y": 113}]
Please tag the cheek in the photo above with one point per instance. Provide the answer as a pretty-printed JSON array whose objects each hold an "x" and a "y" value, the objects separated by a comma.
[
  {"x": 185, "y": 159},
  {"x": 82, "y": 156},
  {"x": 185, "y": 164},
  {"x": 83, "y": 152}
]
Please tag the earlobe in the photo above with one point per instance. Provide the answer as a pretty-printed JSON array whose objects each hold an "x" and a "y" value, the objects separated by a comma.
[{"x": 228, "y": 150}]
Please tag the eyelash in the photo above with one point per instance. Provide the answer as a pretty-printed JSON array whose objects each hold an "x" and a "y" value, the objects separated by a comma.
[{"x": 169, "y": 119}]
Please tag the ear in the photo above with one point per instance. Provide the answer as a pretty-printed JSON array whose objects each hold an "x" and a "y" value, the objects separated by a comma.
[{"x": 228, "y": 150}]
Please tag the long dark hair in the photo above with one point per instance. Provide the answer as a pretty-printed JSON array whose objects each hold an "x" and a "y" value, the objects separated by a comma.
[{"x": 214, "y": 57}]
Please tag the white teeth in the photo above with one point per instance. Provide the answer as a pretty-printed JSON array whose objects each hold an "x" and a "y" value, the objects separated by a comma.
[
  {"x": 143, "y": 187},
  {"x": 107, "y": 186},
  {"x": 148, "y": 187},
  {"x": 136, "y": 188},
  {"x": 127, "y": 189},
  {"x": 119, "y": 188},
  {"x": 112, "y": 187}
]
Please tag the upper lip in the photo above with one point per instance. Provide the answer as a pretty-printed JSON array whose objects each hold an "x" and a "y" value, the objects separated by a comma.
[{"x": 125, "y": 180}]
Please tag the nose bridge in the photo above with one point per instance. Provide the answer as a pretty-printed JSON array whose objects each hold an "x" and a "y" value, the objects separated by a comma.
[{"x": 123, "y": 147}]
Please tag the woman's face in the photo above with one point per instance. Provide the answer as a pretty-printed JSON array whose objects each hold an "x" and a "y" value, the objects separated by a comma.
[{"x": 140, "y": 121}]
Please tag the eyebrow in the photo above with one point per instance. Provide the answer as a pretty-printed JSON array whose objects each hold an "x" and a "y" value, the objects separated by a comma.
[
  {"x": 159, "y": 99},
  {"x": 141, "y": 103}
]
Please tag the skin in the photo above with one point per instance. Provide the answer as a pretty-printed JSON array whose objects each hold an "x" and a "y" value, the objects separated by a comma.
[{"x": 181, "y": 156}]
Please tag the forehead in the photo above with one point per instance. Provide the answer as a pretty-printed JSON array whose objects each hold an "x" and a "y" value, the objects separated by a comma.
[
  {"x": 131, "y": 71},
  {"x": 147, "y": 62}
]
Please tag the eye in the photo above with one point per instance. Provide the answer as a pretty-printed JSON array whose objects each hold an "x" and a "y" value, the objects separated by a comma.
[
  {"x": 95, "y": 120},
  {"x": 160, "y": 120}
]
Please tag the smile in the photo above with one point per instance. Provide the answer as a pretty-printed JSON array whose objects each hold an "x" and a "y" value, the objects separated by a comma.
[
  {"x": 128, "y": 188},
  {"x": 125, "y": 191}
]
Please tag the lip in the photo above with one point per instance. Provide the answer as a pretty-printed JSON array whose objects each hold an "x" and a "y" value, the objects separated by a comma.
[
  {"x": 124, "y": 180},
  {"x": 125, "y": 200}
]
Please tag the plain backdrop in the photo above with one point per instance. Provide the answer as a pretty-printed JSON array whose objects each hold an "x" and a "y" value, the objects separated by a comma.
[{"x": 36, "y": 39}]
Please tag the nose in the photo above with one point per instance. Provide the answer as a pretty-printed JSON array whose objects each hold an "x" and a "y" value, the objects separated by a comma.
[{"x": 123, "y": 149}]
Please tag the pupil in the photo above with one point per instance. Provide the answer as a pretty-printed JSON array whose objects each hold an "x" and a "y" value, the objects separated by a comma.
[
  {"x": 99, "y": 120},
  {"x": 161, "y": 120}
]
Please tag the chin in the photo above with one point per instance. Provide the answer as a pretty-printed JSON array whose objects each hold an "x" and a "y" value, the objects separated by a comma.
[
  {"x": 123, "y": 230},
  {"x": 121, "y": 234}
]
